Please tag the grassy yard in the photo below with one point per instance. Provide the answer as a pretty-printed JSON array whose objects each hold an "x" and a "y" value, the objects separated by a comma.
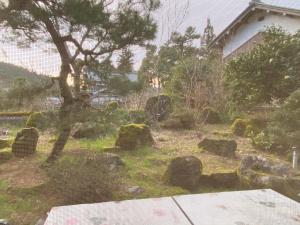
[{"x": 24, "y": 196}]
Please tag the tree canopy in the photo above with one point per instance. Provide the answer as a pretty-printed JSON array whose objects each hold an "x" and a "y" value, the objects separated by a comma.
[
  {"x": 87, "y": 29},
  {"x": 125, "y": 61}
]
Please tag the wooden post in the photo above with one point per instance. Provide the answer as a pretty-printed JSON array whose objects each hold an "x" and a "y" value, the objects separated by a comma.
[{"x": 295, "y": 158}]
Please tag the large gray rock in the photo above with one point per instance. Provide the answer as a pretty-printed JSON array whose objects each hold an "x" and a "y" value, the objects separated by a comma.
[
  {"x": 184, "y": 172},
  {"x": 259, "y": 163},
  {"x": 135, "y": 190},
  {"x": 259, "y": 172},
  {"x": 158, "y": 108},
  {"x": 25, "y": 143},
  {"x": 226, "y": 148}
]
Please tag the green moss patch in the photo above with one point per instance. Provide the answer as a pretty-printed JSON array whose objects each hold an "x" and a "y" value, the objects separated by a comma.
[{"x": 133, "y": 135}]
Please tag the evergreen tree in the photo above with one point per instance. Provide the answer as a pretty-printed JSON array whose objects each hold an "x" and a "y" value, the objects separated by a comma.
[
  {"x": 125, "y": 61},
  {"x": 208, "y": 34}
]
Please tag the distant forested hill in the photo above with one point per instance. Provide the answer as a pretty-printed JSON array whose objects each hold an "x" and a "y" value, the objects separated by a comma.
[{"x": 9, "y": 72}]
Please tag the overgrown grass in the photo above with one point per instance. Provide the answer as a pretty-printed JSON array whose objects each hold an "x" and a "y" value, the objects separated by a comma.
[
  {"x": 99, "y": 144},
  {"x": 145, "y": 168},
  {"x": 22, "y": 206}
]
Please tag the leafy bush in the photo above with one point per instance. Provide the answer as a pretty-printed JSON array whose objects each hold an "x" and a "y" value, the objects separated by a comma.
[
  {"x": 239, "y": 127},
  {"x": 245, "y": 127},
  {"x": 270, "y": 71},
  {"x": 112, "y": 106},
  {"x": 121, "y": 85},
  {"x": 183, "y": 120},
  {"x": 252, "y": 130},
  {"x": 37, "y": 120},
  {"x": 79, "y": 180},
  {"x": 284, "y": 125},
  {"x": 210, "y": 116},
  {"x": 42, "y": 120},
  {"x": 138, "y": 116},
  {"x": 90, "y": 130},
  {"x": 262, "y": 141}
]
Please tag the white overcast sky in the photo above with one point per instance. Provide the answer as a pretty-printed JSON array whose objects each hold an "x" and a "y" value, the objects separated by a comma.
[{"x": 170, "y": 17}]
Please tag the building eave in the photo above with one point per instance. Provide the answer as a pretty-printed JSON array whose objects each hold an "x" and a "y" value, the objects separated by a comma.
[{"x": 253, "y": 6}]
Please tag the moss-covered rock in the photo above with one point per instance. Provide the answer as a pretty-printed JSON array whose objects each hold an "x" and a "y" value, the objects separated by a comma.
[
  {"x": 210, "y": 116},
  {"x": 132, "y": 136},
  {"x": 158, "y": 108},
  {"x": 184, "y": 172},
  {"x": 183, "y": 120},
  {"x": 26, "y": 141},
  {"x": 226, "y": 148}
]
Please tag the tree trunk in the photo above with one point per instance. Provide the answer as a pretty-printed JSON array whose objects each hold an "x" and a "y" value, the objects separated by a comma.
[
  {"x": 65, "y": 119},
  {"x": 68, "y": 99}
]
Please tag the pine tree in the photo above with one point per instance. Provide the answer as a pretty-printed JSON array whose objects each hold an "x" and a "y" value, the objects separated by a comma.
[
  {"x": 208, "y": 34},
  {"x": 87, "y": 29},
  {"x": 125, "y": 61}
]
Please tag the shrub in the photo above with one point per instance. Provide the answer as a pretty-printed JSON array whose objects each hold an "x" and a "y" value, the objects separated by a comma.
[
  {"x": 239, "y": 127},
  {"x": 268, "y": 72},
  {"x": 132, "y": 136},
  {"x": 138, "y": 116},
  {"x": 112, "y": 106},
  {"x": 262, "y": 141},
  {"x": 81, "y": 180},
  {"x": 37, "y": 120},
  {"x": 284, "y": 127},
  {"x": 210, "y": 116},
  {"x": 90, "y": 130},
  {"x": 42, "y": 120},
  {"x": 184, "y": 120},
  {"x": 251, "y": 130}
]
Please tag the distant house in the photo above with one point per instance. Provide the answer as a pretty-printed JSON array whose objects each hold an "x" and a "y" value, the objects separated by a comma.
[{"x": 246, "y": 30}]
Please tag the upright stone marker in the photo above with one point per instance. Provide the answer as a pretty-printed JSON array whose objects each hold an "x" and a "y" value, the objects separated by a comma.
[{"x": 25, "y": 142}]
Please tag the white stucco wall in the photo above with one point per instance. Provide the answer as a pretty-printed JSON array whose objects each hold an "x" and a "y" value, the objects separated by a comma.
[{"x": 247, "y": 31}]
